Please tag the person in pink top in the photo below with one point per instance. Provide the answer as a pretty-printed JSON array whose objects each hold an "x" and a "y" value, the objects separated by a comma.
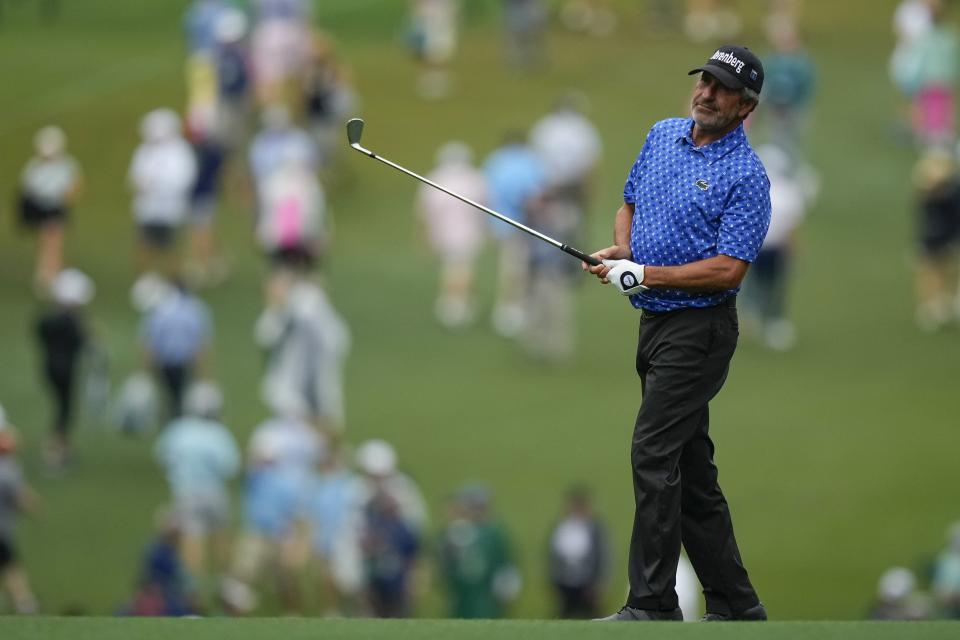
[{"x": 454, "y": 230}]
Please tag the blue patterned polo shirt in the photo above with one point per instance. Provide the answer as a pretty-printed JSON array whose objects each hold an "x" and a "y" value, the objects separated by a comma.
[{"x": 694, "y": 203}]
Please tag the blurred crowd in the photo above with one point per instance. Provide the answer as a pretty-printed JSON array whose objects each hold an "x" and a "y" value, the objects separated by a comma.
[
  {"x": 925, "y": 69},
  {"x": 323, "y": 520},
  {"x": 900, "y": 595}
]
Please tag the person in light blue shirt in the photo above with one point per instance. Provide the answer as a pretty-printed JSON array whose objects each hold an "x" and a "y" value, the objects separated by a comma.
[
  {"x": 199, "y": 456},
  {"x": 176, "y": 333},
  {"x": 515, "y": 179},
  {"x": 282, "y": 452},
  {"x": 333, "y": 509},
  {"x": 696, "y": 208}
]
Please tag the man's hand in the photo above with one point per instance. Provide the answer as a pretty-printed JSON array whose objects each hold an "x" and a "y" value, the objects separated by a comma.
[
  {"x": 626, "y": 276},
  {"x": 615, "y": 252}
]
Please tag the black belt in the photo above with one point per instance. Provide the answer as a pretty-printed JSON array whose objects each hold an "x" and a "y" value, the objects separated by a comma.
[{"x": 729, "y": 301}]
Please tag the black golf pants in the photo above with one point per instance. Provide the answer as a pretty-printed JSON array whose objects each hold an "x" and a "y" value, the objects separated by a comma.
[{"x": 682, "y": 359}]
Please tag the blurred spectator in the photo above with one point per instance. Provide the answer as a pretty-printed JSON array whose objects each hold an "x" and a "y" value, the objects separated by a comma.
[
  {"x": 50, "y": 185},
  {"x": 163, "y": 586},
  {"x": 454, "y": 230},
  {"x": 15, "y": 498},
  {"x": 550, "y": 319},
  {"x": 306, "y": 342},
  {"x": 569, "y": 148},
  {"x": 898, "y": 598},
  {"x": 205, "y": 129},
  {"x": 937, "y": 185},
  {"x": 199, "y": 456},
  {"x": 329, "y": 97},
  {"x": 475, "y": 559},
  {"x": 432, "y": 37},
  {"x": 280, "y": 45},
  {"x": 525, "y": 22},
  {"x": 377, "y": 461},
  {"x": 391, "y": 548},
  {"x": 281, "y": 453},
  {"x": 946, "y": 575},
  {"x": 279, "y": 140},
  {"x": 516, "y": 181},
  {"x": 176, "y": 332},
  {"x": 793, "y": 188},
  {"x": 233, "y": 78},
  {"x": 578, "y": 557},
  {"x": 911, "y": 20},
  {"x": 789, "y": 77},
  {"x": 200, "y": 24},
  {"x": 334, "y": 503},
  {"x": 593, "y": 17},
  {"x": 292, "y": 221},
  {"x": 63, "y": 336},
  {"x": 162, "y": 174},
  {"x": 930, "y": 76},
  {"x": 709, "y": 20},
  {"x": 135, "y": 410}
]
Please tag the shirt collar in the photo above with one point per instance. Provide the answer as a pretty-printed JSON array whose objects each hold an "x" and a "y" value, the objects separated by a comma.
[{"x": 717, "y": 149}]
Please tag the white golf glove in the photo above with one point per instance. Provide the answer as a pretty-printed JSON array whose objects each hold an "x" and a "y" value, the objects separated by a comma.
[{"x": 626, "y": 276}]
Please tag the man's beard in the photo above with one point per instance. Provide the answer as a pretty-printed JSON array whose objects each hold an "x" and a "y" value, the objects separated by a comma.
[{"x": 715, "y": 121}]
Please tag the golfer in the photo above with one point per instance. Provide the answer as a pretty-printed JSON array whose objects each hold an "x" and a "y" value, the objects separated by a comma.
[{"x": 696, "y": 207}]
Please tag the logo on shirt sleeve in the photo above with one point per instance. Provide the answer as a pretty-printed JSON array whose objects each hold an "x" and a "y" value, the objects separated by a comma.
[{"x": 703, "y": 185}]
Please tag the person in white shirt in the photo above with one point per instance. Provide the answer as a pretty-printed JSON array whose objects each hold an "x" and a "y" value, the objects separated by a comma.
[
  {"x": 454, "y": 230},
  {"x": 793, "y": 188},
  {"x": 162, "y": 175},
  {"x": 569, "y": 147},
  {"x": 50, "y": 184},
  {"x": 306, "y": 343}
]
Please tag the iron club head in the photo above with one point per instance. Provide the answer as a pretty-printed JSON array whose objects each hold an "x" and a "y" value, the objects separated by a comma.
[{"x": 354, "y": 131}]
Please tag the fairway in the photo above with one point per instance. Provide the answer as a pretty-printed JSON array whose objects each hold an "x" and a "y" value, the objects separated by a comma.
[{"x": 839, "y": 458}]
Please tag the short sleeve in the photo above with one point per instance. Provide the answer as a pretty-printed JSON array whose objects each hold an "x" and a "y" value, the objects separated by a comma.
[
  {"x": 630, "y": 188},
  {"x": 745, "y": 218}
]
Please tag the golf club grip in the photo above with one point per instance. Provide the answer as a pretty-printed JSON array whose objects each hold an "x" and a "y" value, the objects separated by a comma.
[{"x": 593, "y": 262}]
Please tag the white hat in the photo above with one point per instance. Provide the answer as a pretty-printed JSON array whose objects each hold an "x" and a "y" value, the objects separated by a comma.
[
  {"x": 231, "y": 25},
  {"x": 377, "y": 458},
  {"x": 148, "y": 291},
  {"x": 266, "y": 445},
  {"x": 72, "y": 288},
  {"x": 896, "y": 583},
  {"x": 203, "y": 399},
  {"x": 50, "y": 141},
  {"x": 160, "y": 124}
]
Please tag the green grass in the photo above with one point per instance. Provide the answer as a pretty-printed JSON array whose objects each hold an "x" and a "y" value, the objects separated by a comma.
[
  {"x": 215, "y": 629},
  {"x": 839, "y": 458}
]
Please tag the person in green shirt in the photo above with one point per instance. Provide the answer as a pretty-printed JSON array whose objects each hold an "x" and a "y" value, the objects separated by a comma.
[{"x": 475, "y": 559}]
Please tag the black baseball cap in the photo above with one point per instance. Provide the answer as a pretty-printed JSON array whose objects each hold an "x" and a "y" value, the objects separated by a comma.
[{"x": 735, "y": 67}]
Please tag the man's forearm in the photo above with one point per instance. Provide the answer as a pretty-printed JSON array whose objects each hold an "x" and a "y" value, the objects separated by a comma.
[
  {"x": 622, "y": 224},
  {"x": 713, "y": 274}
]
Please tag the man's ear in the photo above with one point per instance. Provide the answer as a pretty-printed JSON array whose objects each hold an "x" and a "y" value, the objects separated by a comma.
[{"x": 747, "y": 107}]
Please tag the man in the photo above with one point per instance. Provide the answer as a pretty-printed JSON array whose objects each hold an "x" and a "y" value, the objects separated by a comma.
[{"x": 695, "y": 212}]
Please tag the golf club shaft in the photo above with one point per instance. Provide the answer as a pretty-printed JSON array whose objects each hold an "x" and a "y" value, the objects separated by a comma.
[{"x": 563, "y": 247}]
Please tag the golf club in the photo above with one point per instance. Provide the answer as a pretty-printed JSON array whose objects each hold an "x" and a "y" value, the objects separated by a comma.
[{"x": 354, "y": 133}]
